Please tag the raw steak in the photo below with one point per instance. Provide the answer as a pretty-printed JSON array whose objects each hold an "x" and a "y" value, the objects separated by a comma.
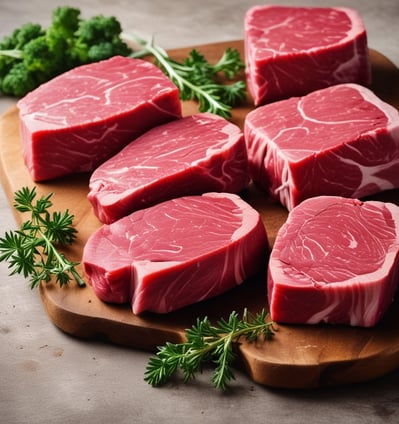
[
  {"x": 341, "y": 140},
  {"x": 177, "y": 252},
  {"x": 335, "y": 260},
  {"x": 81, "y": 118},
  {"x": 291, "y": 51},
  {"x": 192, "y": 155}
]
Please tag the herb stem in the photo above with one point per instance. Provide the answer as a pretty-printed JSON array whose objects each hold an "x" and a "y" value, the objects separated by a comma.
[
  {"x": 64, "y": 266},
  {"x": 213, "y": 97},
  {"x": 32, "y": 249},
  {"x": 162, "y": 57},
  {"x": 208, "y": 343},
  {"x": 14, "y": 53}
]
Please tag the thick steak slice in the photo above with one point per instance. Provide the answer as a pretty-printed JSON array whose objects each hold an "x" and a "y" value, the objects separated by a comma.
[
  {"x": 192, "y": 155},
  {"x": 79, "y": 119},
  {"x": 177, "y": 252},
  {"x": 335, "y": 260},
  {"x": 341, "y": 140},
  {"x": 291, "y": 51}
]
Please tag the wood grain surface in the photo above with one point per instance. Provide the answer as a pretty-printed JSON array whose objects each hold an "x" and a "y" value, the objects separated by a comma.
[{"x": 297, "y": 357}]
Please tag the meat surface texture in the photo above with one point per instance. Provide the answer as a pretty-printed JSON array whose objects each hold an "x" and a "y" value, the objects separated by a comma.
[
  {"x": 335, "y": 260},
  {"x": 81, "y": 118},
  {"x": 192, "y": 155},
  {"x": 341, "y": 141},
  {"x": 177, "y": 253},
  {"x": 291, "y": 51}
]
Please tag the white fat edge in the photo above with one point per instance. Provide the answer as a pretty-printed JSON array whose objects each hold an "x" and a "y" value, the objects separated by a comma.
[
  {"x": 140, "y": 270},
  {"x": 324, "y": 313},
  {"x": 272, "y": 153},
  {"x": 390, "y": 112},
  {"x": 364, "y": 309},
  {"x": 249, "y": 216},
  {"x": 348, "y": 70},
  {"x": 357, "y": 22},
  {"x": 369, "y": 176},
  {"x": 356, "y": 29},
  {"x": 108, "y": 198},
  {"x": 232, "y": 131}
]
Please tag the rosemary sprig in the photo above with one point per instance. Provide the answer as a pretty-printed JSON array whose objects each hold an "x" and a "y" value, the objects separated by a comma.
[
  {"x": 207, "y": 343},
  {"x": 196, "y": 77},
  {"x": 32, "y": 249}
]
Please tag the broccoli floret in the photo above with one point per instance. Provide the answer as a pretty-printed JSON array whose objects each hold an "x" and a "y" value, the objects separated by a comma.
[
  {"x": 100, "y": 51},
  {"x": 31, "y": 55},
  {"x": 43, "y": 58},
  {"x": 10, "y": 46},
  {"x": 61, "y": 35},
  {"x": 6, "y": 61},
  {"x": 27, "y": 33},
  {"x": 21, "y": 36},
  {"x": 65, "y": 22},
  {"x": 7, "y": 43},
  {"x": 105, "y": 50},
  {"x": 98, "y": 38},
  {"x": 98, "y": 29},
  {"x": 18, "y": 81}
]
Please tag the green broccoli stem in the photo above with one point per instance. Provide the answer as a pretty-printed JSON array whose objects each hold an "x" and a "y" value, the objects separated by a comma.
[{"x": 14, "y": 53}]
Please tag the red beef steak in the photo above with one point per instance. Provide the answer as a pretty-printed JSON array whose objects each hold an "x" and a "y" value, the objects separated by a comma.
[
  {"x": 335, "y": 260},
  {"x": 81, "y": 118},
  {"x": 177, "y": 252},
  {"x": 341, "y": 140},
  {"x": 192, "y": 155},
  {"x": 291, "y": 51}
]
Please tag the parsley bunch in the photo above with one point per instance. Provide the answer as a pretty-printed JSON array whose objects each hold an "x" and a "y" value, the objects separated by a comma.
[
  {"x": 32, "y": 249},
  {"x": 207, "y": 343}
]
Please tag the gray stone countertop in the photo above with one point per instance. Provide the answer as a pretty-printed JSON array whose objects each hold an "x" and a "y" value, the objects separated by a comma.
[{"x": 47, "y": 376}]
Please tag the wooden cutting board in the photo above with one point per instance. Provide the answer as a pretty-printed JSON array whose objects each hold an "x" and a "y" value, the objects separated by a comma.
[{"x": 297, "y": 357}]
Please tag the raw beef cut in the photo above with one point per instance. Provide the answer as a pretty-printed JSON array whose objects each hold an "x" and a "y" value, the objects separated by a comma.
[
  {"x": 177, "y": 252},
  {"x": 335, "y": 260},
  {"x": 192, "y": 155},
  {"x": 291, "y": 51},
  {"x": 81, "y": 118},
  {"x": 341, "y": 140}
]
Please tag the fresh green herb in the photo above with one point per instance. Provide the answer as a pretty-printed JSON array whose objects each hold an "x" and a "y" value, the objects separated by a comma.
[
  {"x": 32, "y": 55},
  {"x": 32, "y": 249},
  {"x": 196, "y": 78},
  {"x": 207, "y": 343}
]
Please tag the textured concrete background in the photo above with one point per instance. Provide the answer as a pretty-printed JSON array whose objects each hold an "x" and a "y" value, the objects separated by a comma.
[{"x": 48, "y": 377}]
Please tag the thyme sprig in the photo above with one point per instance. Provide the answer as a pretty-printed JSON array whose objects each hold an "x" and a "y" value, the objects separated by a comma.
[
  {"x": 32, "y": 249},
  {"x": 196, "y": 77},
  {"x": 207, "y": 343}
]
